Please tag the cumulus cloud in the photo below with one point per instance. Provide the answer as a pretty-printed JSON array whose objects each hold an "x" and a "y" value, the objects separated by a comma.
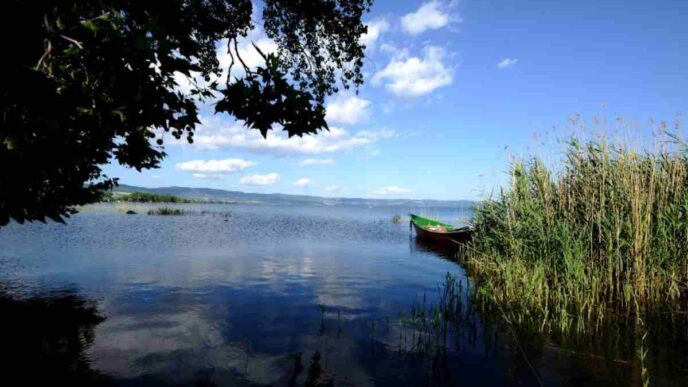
[
  {"x": 215, "y": 166},
  {"x": 506, "y": 62},
  {"x": 412, "y": 76},
  {"x": 216, "y": 134},
  {"x": 269, "y": 179},
  {"x": 302, "y": 182},
  {"x": 349, "y": 110},
  {"x": 375, "y": 29},
  {"x": 390, "y": 189},
  {"x": 430, "y": 16},
  {"x": 307, "y": 162}
]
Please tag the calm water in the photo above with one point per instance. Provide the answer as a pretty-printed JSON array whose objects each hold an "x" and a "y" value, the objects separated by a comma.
[{"x": 256, "y": 295}]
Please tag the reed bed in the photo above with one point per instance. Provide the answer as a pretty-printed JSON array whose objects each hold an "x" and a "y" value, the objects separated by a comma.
[{"x": 602, "y": 239}]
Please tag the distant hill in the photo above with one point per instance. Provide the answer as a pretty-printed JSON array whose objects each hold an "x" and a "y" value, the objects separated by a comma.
[{"x": 212, "y": 194}]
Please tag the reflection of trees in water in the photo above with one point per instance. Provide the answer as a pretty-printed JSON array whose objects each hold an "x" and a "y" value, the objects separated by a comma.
[
  {"x": 608, "y": 354},
  {"x": 45, "y": 339}
]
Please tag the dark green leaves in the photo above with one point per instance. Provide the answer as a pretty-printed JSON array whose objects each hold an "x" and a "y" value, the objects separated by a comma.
[
  {"x": 319, "y": 41},
  {"x": 265, "y": 98},
  {"x": 91, "y": 81}
]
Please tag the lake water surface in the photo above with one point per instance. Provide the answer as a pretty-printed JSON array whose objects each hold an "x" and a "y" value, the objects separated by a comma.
[{"x": 254, "y": 295}]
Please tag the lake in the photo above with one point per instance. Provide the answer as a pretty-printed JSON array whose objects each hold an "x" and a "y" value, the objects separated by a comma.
[{"x": 253, "y": 295}]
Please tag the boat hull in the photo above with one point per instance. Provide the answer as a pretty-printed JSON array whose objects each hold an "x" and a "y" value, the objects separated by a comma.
[{"x": 445, "y": 238}]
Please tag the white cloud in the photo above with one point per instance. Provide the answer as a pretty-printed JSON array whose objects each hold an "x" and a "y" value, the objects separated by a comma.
[
  {"x": 269, "y": 179},
  {"x": 349, "y": 110},
  {"x": 302, "y": 182},
  {"x": 248, "y": 54},
  {"x": 412, "y": 76},
  {"x": 316, "y": 162},
  {"x": 184, "y": 83},
  {"x": 507, "y": 62},
  {"x": 217, "y": 134},
  {"x": 393, "y": 49},
  {"x": 334, "y": 188},
  {"x": 375, "y": 29},
  {"x": 392, "y": 190},
  {"x": 430, "y": 16},
  {"x": 210, "y": 176},
  {"x": 215, "y": 166}
]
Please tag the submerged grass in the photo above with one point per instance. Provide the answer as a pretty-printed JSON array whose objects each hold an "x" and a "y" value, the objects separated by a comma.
[
  {"x": 430, "y": 324},
  {"x": 166, "y": 211},
  {"x": 604, "y": 239},
  {"x": 432, "y": 330}
]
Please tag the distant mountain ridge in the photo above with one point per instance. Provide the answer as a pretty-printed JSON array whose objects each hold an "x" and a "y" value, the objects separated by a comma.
[{"x": 278, "y": 198}]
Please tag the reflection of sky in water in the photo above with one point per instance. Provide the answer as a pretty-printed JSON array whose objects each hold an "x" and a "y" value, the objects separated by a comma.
[{"x": 232, "y": 298}]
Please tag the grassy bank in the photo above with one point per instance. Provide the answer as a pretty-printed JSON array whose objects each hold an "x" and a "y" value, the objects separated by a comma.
[{"x": 603, "y": 239}]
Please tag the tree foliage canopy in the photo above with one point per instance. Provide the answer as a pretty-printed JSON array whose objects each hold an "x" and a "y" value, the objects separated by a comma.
[{"x": 91, "y": 81}]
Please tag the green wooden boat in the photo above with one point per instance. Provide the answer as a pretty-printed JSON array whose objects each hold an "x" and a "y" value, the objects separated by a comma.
[{"x": 434, "y": 231}]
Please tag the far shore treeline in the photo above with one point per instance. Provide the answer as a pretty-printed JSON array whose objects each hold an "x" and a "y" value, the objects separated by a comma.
[{"x": 145, "y": 197}]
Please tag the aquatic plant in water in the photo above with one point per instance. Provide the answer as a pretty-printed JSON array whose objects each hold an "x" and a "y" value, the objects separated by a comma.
[
  {"x": 166, "y": 211},
  {"x": 428, "y": 326},
  {"x": 604, "y": 239}
]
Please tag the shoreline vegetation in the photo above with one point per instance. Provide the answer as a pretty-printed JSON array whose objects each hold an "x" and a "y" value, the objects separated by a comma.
[
  {"x": 145, "y": 197},
  {"x": 602, "y": 240},
  {"x": 137, "y": 199}
]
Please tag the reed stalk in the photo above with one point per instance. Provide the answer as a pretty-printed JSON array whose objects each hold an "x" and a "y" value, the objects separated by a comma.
[{"x": 603, "y": 238}]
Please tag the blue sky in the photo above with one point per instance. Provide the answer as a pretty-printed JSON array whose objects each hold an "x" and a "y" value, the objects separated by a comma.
[{"x": 453, "y": 89}]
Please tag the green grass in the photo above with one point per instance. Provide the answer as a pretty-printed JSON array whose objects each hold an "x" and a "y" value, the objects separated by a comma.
[{"x": 603, "y": 239}]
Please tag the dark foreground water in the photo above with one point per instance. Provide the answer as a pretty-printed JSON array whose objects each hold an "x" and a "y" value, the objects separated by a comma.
[{"x": 263, "y": 295}]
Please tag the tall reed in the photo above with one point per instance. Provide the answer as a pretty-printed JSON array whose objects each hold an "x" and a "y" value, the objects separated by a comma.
[{"x": 602, "y": 239}]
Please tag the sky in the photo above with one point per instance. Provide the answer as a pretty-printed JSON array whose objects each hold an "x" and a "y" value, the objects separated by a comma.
[{"x": 453, "y": 91}]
